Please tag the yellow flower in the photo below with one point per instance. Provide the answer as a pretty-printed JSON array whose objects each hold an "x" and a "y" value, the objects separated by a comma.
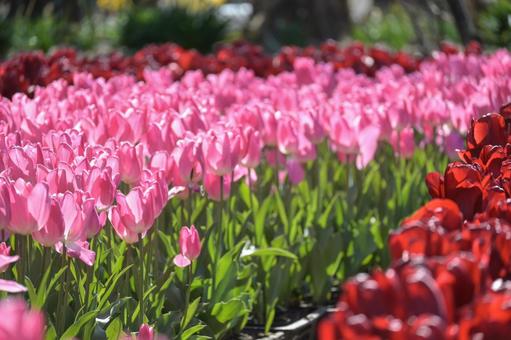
[{"x": 112, "y": 5}]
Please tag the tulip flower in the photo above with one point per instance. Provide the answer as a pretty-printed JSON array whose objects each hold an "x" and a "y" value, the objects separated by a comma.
[
  {"x": 130, "y": 162},
  {"x": 18, "y": 322},
  {"x": 135, "y": 212},
  {"x": 5, "y": 257},
  {"x": 212, "y": 184},
  {"x": 188, "y": 161},
  {"x": 32, "y": 207},
  {"x": 146, "y": 332},
  {"x": 221, "y": 152},
  {"x": 53, "y": 230},
  {"x": 5, "y": 260},
  {"x": 5, "y": 204},
  {"x": 102, "y": 187},
  {"x": 189, "y": 247},
  {"x": 251, "y": 149}
]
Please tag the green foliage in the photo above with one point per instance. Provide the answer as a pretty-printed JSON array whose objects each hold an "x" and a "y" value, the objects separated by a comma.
[
  {"x": 277, "y": 244},
  {"x": 147, "y": 25},
  {"x": 494, "y": 23},
  {"x": 392, "y": 28},
  {"x": 48, "y": 31}
]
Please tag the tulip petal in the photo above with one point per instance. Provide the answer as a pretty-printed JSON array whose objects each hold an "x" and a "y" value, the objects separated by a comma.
[
  {"x": 11, "y": 286},
  {"x": 182, "y": 261}
]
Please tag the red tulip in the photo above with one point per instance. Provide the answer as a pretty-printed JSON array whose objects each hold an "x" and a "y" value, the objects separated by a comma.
[{"x": 487, "y": 130}]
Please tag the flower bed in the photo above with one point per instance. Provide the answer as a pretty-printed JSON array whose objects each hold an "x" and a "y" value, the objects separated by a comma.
[
  {"x": 451, "y": 269},
  {"x": 203, "y": 204},
  {"x": 26, "y": 70}
]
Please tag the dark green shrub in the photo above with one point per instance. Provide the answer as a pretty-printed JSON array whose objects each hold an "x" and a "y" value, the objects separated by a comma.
[
  {"x": 495, "y": 24},
  {"x": 199, "y": 30}
]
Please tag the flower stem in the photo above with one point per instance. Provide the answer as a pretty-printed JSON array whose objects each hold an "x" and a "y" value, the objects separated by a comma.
[
  {"x": 188, "y": 287},
  {"x": 141, "y": 287},
  {"x": 62, "y": 298},
  {"x": 219, "y": 248}
]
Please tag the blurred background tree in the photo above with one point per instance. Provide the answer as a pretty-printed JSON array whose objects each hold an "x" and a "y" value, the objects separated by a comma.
[{"x": 103, "y": 25}]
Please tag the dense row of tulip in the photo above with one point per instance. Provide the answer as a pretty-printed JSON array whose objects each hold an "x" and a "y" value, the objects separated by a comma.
[
  {"x": 452, "y": 258},
  {"x": 265, "y": 175},
  {"x": 26, "y": 70}
]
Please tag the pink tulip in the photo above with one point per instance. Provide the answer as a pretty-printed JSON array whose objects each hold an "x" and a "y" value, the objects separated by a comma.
[
  {"x": 295, "y": 171},
  {"x": 130, "y": 162},
  {"x": 221, "y": 152},
  {"x": 121, "y": 230},
  {"x": 187, "y": 158},
  {"x": 5, "y": 204},
  {"x": 212, "y": 186},
  {"x": 60, "y": 179},
  {"x": 11, "y": 287},
  {"x": 102, "y": 187},
  {"x": 161, "y": 161},
  {"x": 287, "y": 135},
  {"x": 189, "y": 247},
  {"x": 5, "y": 261},
  {"x": 79, "y": 250},
  {"x": 21, "y": 164},
  {"x": 403, "y": 142},
  {"x": 20, "y": 323},
  {"x": 53, "y": 230},
  {"x": 5, "y": 258},
  {"x": 251, "y": 148},
  {"x": 32, "y": 207},
  {"x": 134, "y": 213},
  {"x": 145, "y": 332},
  {"x": 81, "y": 219}
]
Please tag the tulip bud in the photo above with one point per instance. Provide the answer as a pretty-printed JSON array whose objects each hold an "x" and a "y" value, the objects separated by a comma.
[{"x": 189, "y": 247}]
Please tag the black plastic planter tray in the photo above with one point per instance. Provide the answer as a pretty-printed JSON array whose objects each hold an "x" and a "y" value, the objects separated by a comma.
[{"x": 301, "y": 329}]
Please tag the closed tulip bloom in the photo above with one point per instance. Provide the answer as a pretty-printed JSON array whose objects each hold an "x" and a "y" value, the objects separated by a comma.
[
  {"x": 145, "y": 332},
  {"x": 189, "y": 247},
  {"x": 187, "y": 158},
  {"x": 252, "y": 148},
  {"x": 130, "y": 162},
  {"x": 53, "y": 230},
  {"x": 101, "y": 187},
  {"x": 32, "y": 207},
  {"x": 135, "y": 210},
  {"x": 287, "y": 135},
  {"x": 221, "y": 152}
]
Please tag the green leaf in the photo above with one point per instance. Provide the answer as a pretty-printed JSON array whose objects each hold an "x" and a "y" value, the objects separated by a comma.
[
  {"x": 114, "y": 329},
  {"x": 191, "y": 331},
  {"x": 190, "y": 312},
  {"x": 31, "y": 292},
  {"x": 227, "y": 311},
  {"x": 281, "y": 210},
  {"x": 271, "y": 251},
  {"x": 260, "y": 221},
  {"x": 73, "y": 330},
  {"x": 111, "y": 283},
  {"x": 43, "y": 291}
]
